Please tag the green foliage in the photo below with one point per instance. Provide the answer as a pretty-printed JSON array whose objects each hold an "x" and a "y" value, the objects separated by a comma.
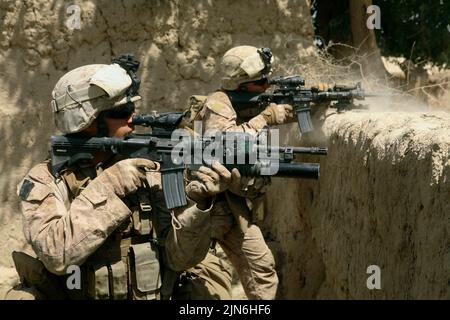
[
  {"x": 416, "y": 29},
  {"x": 337, "y": 19}
]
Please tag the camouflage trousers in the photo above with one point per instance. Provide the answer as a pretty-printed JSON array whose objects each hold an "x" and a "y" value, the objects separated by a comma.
[{"x": 247, "y": 251}]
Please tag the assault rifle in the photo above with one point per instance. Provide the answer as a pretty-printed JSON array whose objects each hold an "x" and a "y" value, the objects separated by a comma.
[
  {"x": 177, "y": 153},
  {"x": 291, "y": 90}
]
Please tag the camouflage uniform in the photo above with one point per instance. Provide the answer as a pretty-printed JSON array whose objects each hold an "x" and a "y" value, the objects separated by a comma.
[
  {"x": 118, "y": 241},
  {"x": 232, "y": 215},
  {"x": 241, "y": 240},
  {"x": 67, "y": 224}
]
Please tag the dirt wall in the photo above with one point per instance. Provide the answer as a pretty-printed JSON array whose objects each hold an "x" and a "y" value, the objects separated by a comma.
[{"x": 382, "y": 199}]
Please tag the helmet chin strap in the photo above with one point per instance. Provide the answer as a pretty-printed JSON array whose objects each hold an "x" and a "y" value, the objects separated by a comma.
[{"x": 102, "y": 127}]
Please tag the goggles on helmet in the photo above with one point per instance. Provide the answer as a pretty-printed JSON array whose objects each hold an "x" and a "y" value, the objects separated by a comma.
[
  {"x": 258, "y": 63},
  {"x": 267, "y": 58},
  {"x": 131, "y": 65}
]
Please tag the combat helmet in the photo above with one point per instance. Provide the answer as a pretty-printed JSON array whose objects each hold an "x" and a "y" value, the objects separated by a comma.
[
  {"x": 245, "y": 64},
  {"x": 83, "y": 93}
]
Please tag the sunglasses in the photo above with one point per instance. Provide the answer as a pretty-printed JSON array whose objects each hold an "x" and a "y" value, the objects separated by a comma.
[{"x": 122, "y": 112}]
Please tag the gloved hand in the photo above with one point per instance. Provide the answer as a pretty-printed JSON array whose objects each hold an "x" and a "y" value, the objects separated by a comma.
[
  {"x": 238, "y": 183},
  {"x": 322, "y": 86},
  {"x": 277, "y": 113},
  {"x": 211, "y": 181},
  {"x": 125, "y": 176}
]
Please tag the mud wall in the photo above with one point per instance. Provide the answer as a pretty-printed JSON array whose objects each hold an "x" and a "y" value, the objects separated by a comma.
[
  {"x": 382, "y": 199},
  {"x": 179, "y": 44}
]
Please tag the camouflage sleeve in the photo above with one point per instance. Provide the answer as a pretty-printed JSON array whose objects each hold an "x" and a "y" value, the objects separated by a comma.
[
  {"x": 64, "y": 234},
  {"x": 188, "y": 240},
  {"x": 220, "y": 115}
]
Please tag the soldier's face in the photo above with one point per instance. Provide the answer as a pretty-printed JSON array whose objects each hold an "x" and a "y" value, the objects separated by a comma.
[{"x": 118, "y": 128}]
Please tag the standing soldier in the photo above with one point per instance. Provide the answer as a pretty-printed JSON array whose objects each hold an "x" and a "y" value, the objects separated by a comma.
[{"x": 245, "y": 69}]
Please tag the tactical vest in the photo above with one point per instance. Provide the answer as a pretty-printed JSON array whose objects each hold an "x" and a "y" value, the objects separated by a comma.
[{"x": 127, "y": 265}]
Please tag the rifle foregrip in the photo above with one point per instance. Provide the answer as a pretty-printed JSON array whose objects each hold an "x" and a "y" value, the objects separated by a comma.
[{"x": 173, "y": 188}]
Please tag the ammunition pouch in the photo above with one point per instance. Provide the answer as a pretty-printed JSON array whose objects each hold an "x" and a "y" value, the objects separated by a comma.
[
  {"x": 146, "y": 271},
  {"x": 131, "y": 270}
]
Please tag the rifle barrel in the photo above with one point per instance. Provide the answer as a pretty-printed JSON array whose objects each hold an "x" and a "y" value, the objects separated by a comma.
[
  {"x": 294, "y": 150},
  {"x": 306, "y": 150}
]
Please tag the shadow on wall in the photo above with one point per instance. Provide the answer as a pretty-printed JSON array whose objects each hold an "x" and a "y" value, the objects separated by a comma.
[{"x": 179, "y": 44}]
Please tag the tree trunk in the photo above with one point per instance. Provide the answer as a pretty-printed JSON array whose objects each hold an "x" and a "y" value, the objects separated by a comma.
[{"x": 364, "y": 39}]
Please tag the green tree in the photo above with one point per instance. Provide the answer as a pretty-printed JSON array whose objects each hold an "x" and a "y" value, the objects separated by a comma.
[{"x": 417, "y": 30}]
